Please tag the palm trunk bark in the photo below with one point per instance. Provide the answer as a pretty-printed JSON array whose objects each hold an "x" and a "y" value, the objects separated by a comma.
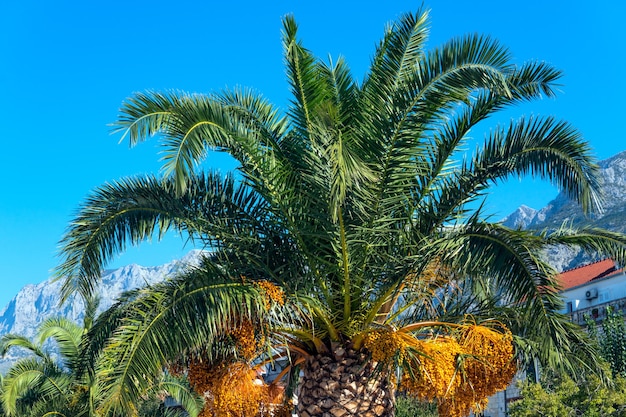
[{"x": 344, "y": 383}]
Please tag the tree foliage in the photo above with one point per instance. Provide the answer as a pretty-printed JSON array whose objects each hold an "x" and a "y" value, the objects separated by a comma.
[
  {"x": 353, "y": 216},
  {"x": 588, "y": 395},
  {"x": 41, "y": 383},
  {"x": 612, "y": 339},
  {"x": 560, "y": 396},
  {"x": 411, "y": 407}
]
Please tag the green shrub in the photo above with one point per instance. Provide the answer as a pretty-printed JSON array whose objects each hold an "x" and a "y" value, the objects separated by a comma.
[{"x": 411, "y": 407}]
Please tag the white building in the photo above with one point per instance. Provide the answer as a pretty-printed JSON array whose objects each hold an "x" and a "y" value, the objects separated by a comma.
[{"x": 590, "y": 289}]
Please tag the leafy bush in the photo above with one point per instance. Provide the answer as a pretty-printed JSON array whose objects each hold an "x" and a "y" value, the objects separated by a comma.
[
  {"x": 411, "y": 407},
  {"x": 558, "y": 396}
]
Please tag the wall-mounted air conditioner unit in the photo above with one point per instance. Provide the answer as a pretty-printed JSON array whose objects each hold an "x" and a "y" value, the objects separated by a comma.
[{"x": 592, "y": 293}]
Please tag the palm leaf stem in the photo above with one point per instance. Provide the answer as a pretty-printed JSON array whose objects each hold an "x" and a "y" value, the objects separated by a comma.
[{"x": 347, "y": 289}]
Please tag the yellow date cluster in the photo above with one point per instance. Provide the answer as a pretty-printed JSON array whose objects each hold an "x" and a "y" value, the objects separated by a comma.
[
  {"x": 230, "y": 389},
  {"x": 459, "y": 370},
  {"x": 273, "y": 294}
]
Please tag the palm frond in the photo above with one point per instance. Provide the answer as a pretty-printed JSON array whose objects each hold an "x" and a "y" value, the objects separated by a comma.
[
  {"x": 540, "y": 147},
  {"x": 32, "y": 375},
  {"x": 180, "y": 391},
  {"x": 66, "y": 334},
  {"x": 145, "y": 115},
  {"x": 10, "y": 340},
  {"x": 591, "y": 239},
  {"x": 129, "y": 211},
  {"x": 442, "y": 81},
  {"x": 190, "y": 125},
  {"x": 201, "y": 304},
  {"x": 303, "y": 76},
  {"x": 555, "y": 341},
  {"x": 396, "y": 56},
  {"x": 548, "y": 149}
]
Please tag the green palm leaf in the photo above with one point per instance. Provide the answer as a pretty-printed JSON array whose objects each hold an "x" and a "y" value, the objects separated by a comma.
[
  {"x": 30, "y": 375},
  {"x": 199, "y": 307},
  {"x": 132, "y": 210}
]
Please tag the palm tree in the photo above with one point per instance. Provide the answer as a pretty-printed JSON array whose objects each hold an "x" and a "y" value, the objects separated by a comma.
[
  {"x": 53, "y": 381},
  {"x": 351, "y": 240},
  {"x": 41, "y": 383}
]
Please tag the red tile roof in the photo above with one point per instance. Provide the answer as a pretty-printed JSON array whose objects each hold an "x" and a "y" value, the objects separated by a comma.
[{"x": 583, "y": 274}]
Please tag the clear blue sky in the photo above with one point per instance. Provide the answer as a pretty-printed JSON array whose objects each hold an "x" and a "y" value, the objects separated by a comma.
[{"x": 66, "y": 66}]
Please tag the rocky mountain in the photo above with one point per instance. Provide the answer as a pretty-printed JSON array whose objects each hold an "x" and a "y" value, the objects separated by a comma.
[
  {"x": 520, "y": 218},
  {"x": 35, "y": 303},
  {"x": 563, "y": 210}
]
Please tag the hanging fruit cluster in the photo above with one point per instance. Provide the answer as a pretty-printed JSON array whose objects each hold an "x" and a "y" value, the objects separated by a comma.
[
  {"x": 230, "y": 389},
  {"x": 272, "y": 293},
  {"x": 386, "y": 344},
  {"x": 488, "y": 368},
  {"x": 460, "y": 372},
  {"x": 246, "y": 341},
  {"x": 236, "y": 389},
  {"x": 434, "y": 374},
  {"x": 233, "y": 388}
]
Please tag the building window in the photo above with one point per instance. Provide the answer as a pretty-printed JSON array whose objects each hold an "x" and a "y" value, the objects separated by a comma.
[{"x": 569, "y": 307}]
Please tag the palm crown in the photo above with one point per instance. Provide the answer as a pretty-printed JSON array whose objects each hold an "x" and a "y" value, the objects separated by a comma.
[{"x": 352, "y": 214}]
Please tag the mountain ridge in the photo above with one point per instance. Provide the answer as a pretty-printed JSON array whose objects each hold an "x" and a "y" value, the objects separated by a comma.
[
  {"x": 36, "y": 302},
  {"x": 563, "y": 211}
]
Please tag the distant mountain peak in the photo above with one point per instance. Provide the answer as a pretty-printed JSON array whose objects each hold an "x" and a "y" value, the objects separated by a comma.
[
  {"x": 520, "y": 218},
  {"x": 613, "y": 160},
  {"x": 560, "y": 210}
]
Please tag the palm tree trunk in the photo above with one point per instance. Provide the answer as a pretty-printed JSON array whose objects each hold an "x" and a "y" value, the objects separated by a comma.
[{"x": 344, "y": 384}]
